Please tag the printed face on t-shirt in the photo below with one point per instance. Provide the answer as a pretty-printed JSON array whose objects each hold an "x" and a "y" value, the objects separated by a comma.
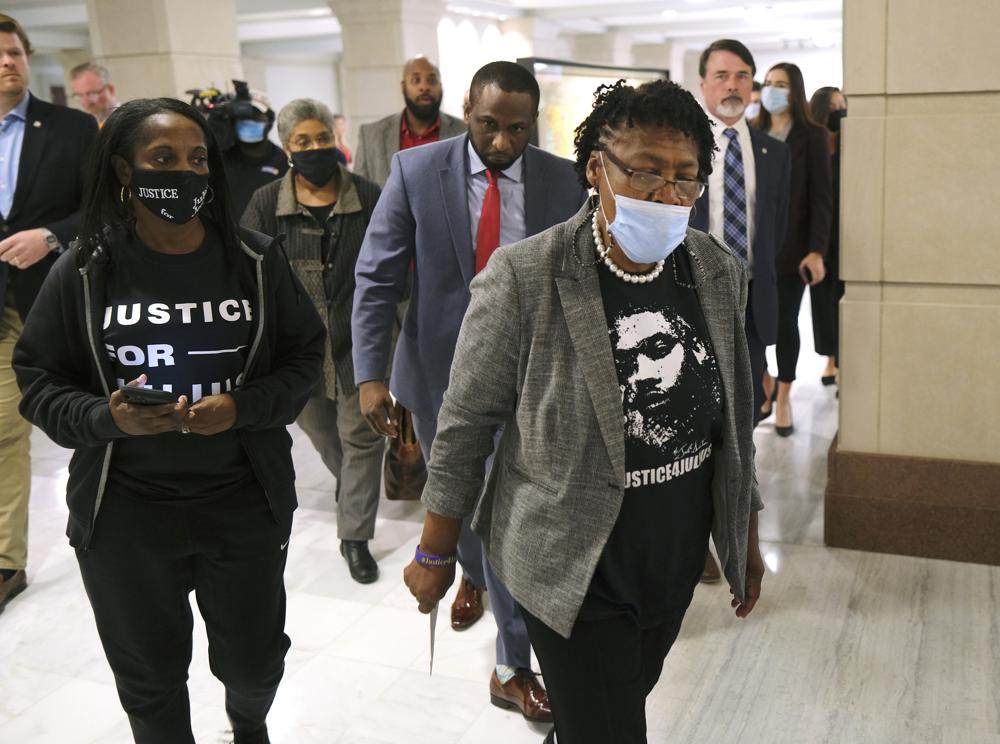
[{"x": 667, "y": 377}]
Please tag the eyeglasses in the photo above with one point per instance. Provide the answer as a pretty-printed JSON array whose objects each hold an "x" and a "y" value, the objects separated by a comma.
[
  {"x": 305, "y": 142},
  {"x": 90, "y": 95},
  {"x": 687, "y": 191}
]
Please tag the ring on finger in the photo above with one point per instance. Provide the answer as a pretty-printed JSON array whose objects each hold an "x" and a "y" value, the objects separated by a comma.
[{"x": 185, "y": 429}]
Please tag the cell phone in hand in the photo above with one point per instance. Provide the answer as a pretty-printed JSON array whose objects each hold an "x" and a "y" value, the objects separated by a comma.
[{"x": 139, "y": 396}]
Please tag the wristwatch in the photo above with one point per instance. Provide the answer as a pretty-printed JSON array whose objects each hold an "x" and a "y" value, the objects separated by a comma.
[{"x": 50, "y": 239}]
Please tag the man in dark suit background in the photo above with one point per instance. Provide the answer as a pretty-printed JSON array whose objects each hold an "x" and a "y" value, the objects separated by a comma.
[
  {"x": 446, "y": 207},
  {"x": 421, "y": 122},
  {"x": 42, "y": 150},
  {"x": 746, "y": 202}
]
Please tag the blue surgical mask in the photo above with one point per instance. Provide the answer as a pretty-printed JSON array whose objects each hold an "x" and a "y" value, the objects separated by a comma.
[
  {"x": 646, "y": 231},
  {"x": 752, "y": 109},
  {"x": 250, "y": 131},
  {"x": 775, "y": 100}
]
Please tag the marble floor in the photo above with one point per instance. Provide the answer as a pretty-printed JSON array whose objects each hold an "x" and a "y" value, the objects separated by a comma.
[{"x": 843, "y": 647}]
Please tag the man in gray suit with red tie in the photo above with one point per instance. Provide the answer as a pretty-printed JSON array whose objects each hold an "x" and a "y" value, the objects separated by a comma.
[
  {"x": 421, "y": 122},
  {"x": 746, "y": 202},
  {"x": 445, "y": 208}
]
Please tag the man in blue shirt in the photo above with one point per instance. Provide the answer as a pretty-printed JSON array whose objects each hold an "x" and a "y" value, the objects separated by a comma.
[{"x": 42, "y": 150}]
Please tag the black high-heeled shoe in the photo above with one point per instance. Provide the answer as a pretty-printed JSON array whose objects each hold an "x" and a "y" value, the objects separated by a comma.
[
  {"x": 770, "y": 404},
  {"x": 784, "y": 431},
  {"x": 828, "y": 380}
]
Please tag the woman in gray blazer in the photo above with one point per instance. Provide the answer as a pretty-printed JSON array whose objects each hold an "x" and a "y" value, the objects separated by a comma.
[{"x": 611, "y": 349}]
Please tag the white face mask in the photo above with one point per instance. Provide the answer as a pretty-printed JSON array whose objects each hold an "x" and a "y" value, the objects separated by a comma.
[
  {"x": 753, "y": 108},
  {"x": 775, "y": 100},
  {"x": 647, "y": 232}
]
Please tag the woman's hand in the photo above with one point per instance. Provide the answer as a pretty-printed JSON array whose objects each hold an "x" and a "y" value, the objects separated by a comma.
[
  {"x": 813, "y": 262},
  {"x": 755, "y": 572},
  {"x": 211, "y": 415},
  {"x": 428, "y": 585},
  {"x": 145, "y": 420}
]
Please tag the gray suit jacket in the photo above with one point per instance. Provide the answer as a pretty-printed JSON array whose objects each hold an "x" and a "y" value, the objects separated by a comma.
[
  {"x": 534, "y": 354},
  {"x": 379, "y": 141}
]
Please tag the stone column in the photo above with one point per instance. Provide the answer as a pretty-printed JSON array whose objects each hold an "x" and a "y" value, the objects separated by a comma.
[
  {"x": 164, "y": 47},
  {"x": 379, "y": 36},
  {"x": 916, "y": 466},
  {"x": 541, "y": 37},
  {"x": 655, "y": 56},
  {"x": 613, "y": 48}
]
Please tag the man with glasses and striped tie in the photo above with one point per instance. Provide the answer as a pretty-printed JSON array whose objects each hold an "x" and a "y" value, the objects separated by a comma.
[{"x": 746, "y": 202}]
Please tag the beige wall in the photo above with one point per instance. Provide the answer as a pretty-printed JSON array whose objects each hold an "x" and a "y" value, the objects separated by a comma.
[{"x": 920, "y": 222}]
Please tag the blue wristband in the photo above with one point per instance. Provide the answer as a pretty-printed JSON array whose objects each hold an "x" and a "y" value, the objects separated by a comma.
[{"x": 429, "y": 560}]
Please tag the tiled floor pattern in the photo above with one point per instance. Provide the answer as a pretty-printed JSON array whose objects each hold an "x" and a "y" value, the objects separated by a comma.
[{"x": 844, "y": 647}]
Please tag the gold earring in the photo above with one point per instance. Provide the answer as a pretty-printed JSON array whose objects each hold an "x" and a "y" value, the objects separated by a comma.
[{"x": 122, "y": 195}]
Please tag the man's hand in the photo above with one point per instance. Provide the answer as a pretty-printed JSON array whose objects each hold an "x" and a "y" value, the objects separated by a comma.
[
  {"x": 145, "y": 420},
  {"x": 377, "y": 408},
  {"x": 817, "y": 269},
  {"x": 755, "y": 572},
  {"x": 211, "y": 415},
  {"x": 22, "y": 249},
  {"x": 428, "y": 585}
]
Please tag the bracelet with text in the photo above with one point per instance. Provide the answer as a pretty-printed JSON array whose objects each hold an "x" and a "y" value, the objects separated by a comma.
[{"x": 429, "y": 560}]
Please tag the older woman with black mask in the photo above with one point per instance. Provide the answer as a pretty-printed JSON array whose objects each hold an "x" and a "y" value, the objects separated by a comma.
[
  {"x": 169, "y": 349},
  {"x": 612, "y": 349},
  {"x": 323, "y": 209}
]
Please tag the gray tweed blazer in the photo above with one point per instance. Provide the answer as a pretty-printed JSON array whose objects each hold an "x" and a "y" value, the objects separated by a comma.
[{"x": 534, "y": 355}]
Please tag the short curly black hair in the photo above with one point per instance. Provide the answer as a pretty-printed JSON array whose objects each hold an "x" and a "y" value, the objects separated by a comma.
[{"x": 659, "y": 103}]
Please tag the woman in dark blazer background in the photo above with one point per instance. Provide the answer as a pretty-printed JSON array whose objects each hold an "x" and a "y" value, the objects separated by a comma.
[
  {"x": 784, "y": 116},
  {"x": 828, "y": 106}
]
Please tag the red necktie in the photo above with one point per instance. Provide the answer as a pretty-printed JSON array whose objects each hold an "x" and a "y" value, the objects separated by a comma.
[{"x": 488, "y": 233}]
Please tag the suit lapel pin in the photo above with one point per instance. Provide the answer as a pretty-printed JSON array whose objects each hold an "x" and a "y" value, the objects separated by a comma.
[
  {"x": 36, "y": 123},
  {"x": 764, "y": 150}
]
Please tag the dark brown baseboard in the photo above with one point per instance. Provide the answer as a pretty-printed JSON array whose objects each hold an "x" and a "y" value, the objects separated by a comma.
[{"x": 918, "y": 506}]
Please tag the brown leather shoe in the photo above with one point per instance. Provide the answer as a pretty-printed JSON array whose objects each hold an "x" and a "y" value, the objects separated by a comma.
[
  {"x": 711, "y": 574},
  {"x": 12, "y": 587},
  {"x": 468, "y": 605},
  {"x": 522, "y": 692}
]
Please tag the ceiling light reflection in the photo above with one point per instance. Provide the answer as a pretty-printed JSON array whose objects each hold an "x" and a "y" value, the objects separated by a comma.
[{"x": 772, "y": 560}]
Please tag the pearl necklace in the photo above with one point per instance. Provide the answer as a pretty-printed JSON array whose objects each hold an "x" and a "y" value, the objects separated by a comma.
[{"x": 605, "y": 253}]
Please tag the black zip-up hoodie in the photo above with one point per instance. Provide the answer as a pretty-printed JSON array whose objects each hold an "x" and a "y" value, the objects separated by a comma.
[{"x": 66, "y": 382}]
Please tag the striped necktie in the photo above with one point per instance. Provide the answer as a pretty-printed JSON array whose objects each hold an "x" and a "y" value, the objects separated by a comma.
[{"x": 734, "y": 198}]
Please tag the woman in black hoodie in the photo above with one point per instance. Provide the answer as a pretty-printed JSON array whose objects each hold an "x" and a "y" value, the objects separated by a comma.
[{"x": 163, "y": 293}]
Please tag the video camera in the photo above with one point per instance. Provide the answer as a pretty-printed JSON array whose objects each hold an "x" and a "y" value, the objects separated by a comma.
[{"x": 222, "y": 109}]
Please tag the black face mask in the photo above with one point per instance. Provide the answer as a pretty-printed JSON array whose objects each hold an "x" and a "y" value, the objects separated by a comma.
[
  {"x": 834, "y": 119},
  {"x": 175, "y": 196},
  {"x": 318, "y": 166}
]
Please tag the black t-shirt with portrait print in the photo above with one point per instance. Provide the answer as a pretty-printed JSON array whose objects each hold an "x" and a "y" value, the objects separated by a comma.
[
  {"x": 185, "y": 322},
  {"x": 672, "y": 406}
]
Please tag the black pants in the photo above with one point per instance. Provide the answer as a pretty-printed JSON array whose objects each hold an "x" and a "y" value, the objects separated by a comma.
[
  {"x": 825, "y": 298},
  {"x": 144, "y": 560},
  {"x": 790, "y": 291},
  {"x": 599, "y": 678},
  {"x": 758, "y": 360}
]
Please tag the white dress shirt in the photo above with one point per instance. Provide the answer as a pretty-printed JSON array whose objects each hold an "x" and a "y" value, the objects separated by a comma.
[{"x": 715, "y": 181}]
